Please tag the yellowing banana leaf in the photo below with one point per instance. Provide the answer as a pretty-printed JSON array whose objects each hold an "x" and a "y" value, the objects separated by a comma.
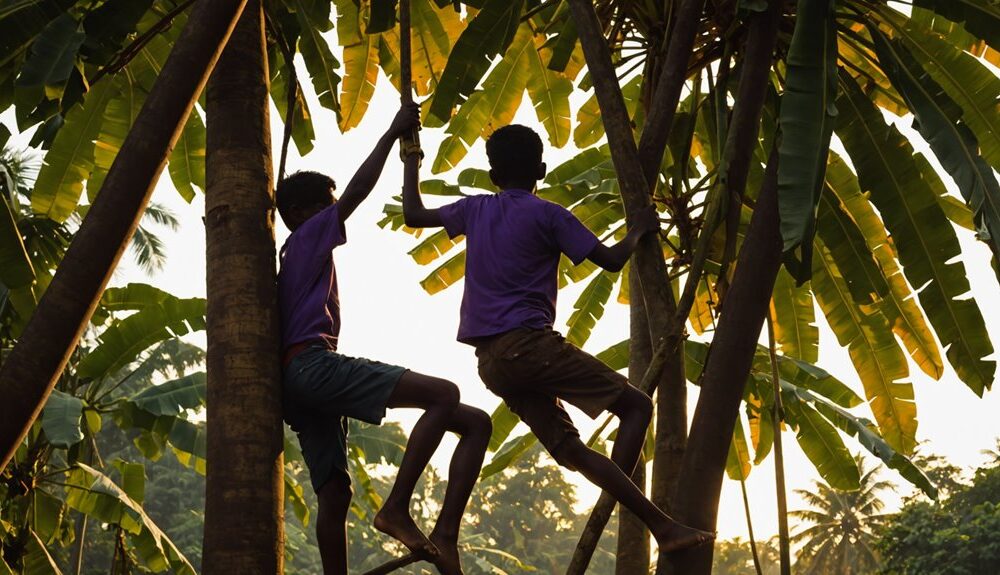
[
  {"x": 877, "y": 358},
  {"x": 920, "y": 231},
  {"x": 589, "y": 307},
  {"x": 795, "y": 329}
]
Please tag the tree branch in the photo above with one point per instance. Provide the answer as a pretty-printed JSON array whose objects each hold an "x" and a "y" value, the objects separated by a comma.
[{"x": 390, "y": 566}]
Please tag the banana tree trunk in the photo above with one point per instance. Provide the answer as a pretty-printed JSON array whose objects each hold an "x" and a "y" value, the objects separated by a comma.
[
  {"x": 651, "y": 277},
  {"x": 32, "y": 368},
  {"x": 724, "y": 376},
  {"x": 632, "y": 555},
  {"x": 244, "y": 482}
]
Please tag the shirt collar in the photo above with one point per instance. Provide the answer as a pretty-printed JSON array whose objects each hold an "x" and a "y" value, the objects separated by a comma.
[{"x": 518, "y": 191}]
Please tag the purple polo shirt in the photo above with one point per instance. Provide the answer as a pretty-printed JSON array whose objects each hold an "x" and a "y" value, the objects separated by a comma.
[
  {"x": 513, "y": 243},
  {"x": 307, "y": 281}
]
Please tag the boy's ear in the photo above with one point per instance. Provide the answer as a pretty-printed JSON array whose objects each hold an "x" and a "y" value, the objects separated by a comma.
[
  {"x": 542, "y": 170},
  {"x": 493, "y": 178}
]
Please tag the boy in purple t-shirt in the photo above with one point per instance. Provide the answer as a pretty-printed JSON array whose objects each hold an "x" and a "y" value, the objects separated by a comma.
[
  {"x": 322, "y": 388},
  {"x": 513, "y": 243}
]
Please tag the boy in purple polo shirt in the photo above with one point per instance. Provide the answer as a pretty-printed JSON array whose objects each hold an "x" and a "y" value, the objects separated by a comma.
[
  {"x": 322, "y": 388},
  {"x": 513, "y": 243}
]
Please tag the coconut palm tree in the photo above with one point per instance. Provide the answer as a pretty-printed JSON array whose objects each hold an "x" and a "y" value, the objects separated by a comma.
[{"x": 838, "y": 530}]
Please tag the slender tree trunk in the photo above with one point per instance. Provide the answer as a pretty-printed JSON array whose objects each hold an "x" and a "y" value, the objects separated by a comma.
[
  {"x": 30, "y": 371},
  {"x": 244, "y": 484},
  {"x": 777, "y": 415},
  {"x": 724, "y": 376},
  {"x": 632, "y": 555}
]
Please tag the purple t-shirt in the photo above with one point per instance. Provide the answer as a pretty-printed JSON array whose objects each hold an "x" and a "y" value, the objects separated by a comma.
[
  {"x": 307, "y": 281},
  {"x": 513, "y": 243}
]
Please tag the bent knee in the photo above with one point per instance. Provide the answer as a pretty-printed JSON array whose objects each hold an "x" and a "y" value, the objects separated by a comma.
[
  {"x": 475, "y": 422},
  {"x": 445, "y": 394},
  {"x": 633, "y": 404}
]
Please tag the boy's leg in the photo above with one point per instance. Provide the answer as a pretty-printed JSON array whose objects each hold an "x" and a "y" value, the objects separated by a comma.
[
  {"x": 634, "y": 410},
  {"x": 438, "y": 398},
  {"x": 331, "y": 525},
  {"x": 474, "y": 427},
  {"x": 606, "y": 474}
]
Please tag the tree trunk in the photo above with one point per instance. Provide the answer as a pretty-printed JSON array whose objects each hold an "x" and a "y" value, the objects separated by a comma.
[
  {"x": 726, "y": 369},
  {"x": 632, "y": 555},
  {"x": 30, "y": 371},
  {"x": 244, "y": 482}
]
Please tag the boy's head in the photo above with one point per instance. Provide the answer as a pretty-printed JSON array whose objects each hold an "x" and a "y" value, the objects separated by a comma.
[
  {"x": 515, "y": 154},
  {"x": 302, "y": 195}
]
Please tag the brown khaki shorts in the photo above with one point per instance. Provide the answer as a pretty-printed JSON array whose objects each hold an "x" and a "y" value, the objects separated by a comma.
[{"x": 533, "y": 369}]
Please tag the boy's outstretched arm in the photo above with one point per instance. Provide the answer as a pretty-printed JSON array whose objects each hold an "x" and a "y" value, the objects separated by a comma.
[
  {"x": 613, "y": 258},
  {"x": 415, "y": 215},
  {"x": 364, "y": 180}
]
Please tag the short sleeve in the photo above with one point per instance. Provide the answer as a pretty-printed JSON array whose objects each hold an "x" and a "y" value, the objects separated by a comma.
[
  {"x": 571, "y": 236},
  {"x": 317, "y": 236},
  {"x": 453, "y": 217}
]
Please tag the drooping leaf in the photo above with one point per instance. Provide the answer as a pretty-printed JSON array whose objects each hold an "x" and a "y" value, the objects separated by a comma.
[
  {"x": 445, "y": 275},
  {"x": 123, "y": 340},
  {"x": 187, "y": 160},
  {"x": 22, "y": 22},
  {"x": 823, "y": 446},
  {"x": 504, "y": 420},
  {"x": 795, "y": 329},
  {"x": 877, "y": 358},
  {"x": 549, "y": 92},
  {"x": 808, "y": 113},
  {"x": 616, "y": 356},
  {"x": 360, "y": 76},
  {"x": 94, "y": 494},
  {"x": 489, "y": 108},
  {"x": 302, "y": 128},
  {"x": 435, "y": 246},
  {"x": 15, "y": 264},
  {"x": 37, "y": 560},
  {"x": 320, "y": 61},
  {"x": 839, "y": 234},
  {"x": 973, "y": 86},
  {"x": 865, "y": 432},
  {"x": 900, "y": 306},
  {"x": 53, "y": 55},
  {"x": 738, "y": 461},
  {"x": 508, "y": 454},
  {"x": 489, "y": 33},
  {"x": 71, "y": 158},
  {"x": 927, "y": 244},
  {"x": 173, "y": 397},
  {"x": 61, "y": 419},
  {"x": 589, "y": 307},
  {"x": 980, "y": 17},
  {"x": 938, "y": 119}
]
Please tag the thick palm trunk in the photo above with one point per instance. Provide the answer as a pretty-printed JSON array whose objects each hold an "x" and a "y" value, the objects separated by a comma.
[
  {"x": 244, "y": 483},
  {"x": 30, "y": 371}
]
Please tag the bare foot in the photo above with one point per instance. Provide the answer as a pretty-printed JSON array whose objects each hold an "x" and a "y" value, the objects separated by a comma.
[
  {"x": 400, "y": 526},
  {"x": 679, "y": 536},
  {"x": 448, "y": 561}
]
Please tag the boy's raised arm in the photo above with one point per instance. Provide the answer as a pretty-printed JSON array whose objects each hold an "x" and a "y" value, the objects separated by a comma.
[
  {"x": 614, "y": 258},
  {"x": 364, "y": 180},
  {"x": 415, "y": 215}
]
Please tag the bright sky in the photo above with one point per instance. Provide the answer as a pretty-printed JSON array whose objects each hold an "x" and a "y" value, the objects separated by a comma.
[{"x": 387, "y": 315}]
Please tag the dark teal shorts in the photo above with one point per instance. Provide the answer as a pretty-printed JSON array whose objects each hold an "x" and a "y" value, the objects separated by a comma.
[{"x": 321, "y": 389}]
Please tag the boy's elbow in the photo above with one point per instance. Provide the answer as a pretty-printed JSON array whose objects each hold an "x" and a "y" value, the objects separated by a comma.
[{"x": 413, "y": 220}]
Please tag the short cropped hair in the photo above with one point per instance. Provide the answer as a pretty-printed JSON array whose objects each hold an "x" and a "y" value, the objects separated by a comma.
[
  {"x": 303, "y": 189},
  {"x": 514, "y": 151}
]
